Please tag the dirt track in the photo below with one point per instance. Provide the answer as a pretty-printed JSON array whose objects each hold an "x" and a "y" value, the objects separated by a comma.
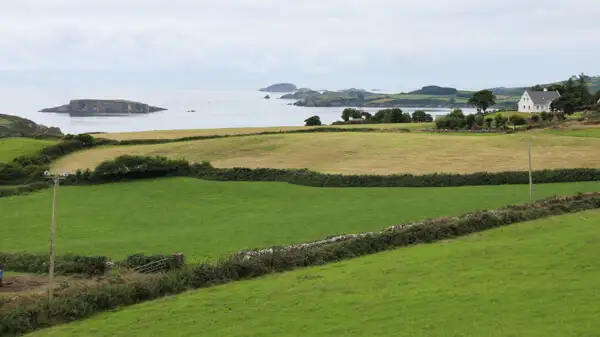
[{"x": 12, "y": 284}]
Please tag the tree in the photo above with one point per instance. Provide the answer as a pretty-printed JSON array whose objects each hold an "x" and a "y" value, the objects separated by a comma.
[
  {"x": 313, "y": 121},
  {"x": 421, "y": 116},
  {"x": 455, "y": 120},
  {"x": 350, "y": 113},
  {"x": 391, "y": 116},
  {"x": 470, "y": 121},
  {"x": 482, "y": 100},
  {"x": 366, "y": 115},
  {"x": 575, "y": 96}
]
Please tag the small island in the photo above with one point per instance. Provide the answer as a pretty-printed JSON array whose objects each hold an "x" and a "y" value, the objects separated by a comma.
[
  {"x": 103, "y": 107},
  {"x": 280, "y": 87}
]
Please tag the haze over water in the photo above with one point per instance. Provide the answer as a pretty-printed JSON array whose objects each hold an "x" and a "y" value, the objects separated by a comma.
[{"x": 213, "y": 109}]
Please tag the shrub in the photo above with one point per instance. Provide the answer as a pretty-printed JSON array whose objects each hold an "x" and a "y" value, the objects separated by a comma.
[
  {"x": 66, "y": 264},
  {"x": 313, "y": 121}
]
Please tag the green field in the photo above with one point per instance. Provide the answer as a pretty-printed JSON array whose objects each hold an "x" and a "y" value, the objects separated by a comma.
[
  {"x": 587, "y": 132},
  {"x": 366, "y": 152},
  {"x": 539, "y": 278},
  {"x": 11, "y": 148},
  {"x": 206, "y": 219}
]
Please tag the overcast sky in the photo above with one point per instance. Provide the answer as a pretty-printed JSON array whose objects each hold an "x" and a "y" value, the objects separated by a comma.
[{"x": 399, "y": 44}]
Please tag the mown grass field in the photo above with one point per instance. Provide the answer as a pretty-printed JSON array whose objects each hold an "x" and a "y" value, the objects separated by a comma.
[
  {"x": 11, "y": 148},
  {"x": 539, "y": 278},
  {"x": 174, "y": 134},
  {"x": 366, "y": 152},
  {"x": 206, "y": 219}
]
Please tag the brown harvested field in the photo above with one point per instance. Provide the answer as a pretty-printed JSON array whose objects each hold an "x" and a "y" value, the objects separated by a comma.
[
  {"x": 174, "y": 134},
  {"x": 367, "y": 153}
]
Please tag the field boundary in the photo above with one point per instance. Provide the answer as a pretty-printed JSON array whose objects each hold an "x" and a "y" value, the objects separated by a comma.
[{"x": 20, "y": 316}]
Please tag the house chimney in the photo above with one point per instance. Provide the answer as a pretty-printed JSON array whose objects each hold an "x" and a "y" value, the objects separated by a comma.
[{"x": 545, "y": 89}]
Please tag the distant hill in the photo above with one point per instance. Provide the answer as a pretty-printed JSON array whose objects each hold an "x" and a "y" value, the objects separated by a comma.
[
  {"x": 280, "y": 87},
  {"x": 593, "y": 84},
  {"x": 14, "y": 126},
  {"x": 434, "y": 90}
]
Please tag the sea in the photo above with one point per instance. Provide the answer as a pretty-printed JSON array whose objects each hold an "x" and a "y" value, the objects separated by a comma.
[{"x": 187, "y": 109}]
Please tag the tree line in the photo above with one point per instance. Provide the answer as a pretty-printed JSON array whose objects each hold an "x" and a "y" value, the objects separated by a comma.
[{"x": 395, "y": 115}]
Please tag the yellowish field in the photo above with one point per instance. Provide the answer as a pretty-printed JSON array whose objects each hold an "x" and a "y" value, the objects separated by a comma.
[
  {"x": 174, "y": 134},
  {"x": 367, "y": 153}
]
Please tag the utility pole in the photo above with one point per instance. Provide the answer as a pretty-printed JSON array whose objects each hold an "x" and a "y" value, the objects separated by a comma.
[
  {"x": 530, "y": 175},
  {"x": 56, "y": 179}
]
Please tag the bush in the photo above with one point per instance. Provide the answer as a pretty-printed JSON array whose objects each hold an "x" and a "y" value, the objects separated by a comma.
[
  {"x": 66, "y": 264},
  {"x": 72, "y": 304},
  {"x": 313, "y": 121}
]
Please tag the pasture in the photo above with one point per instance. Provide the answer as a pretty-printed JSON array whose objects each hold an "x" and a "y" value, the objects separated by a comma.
[
  {"x": 10, "y": 148},
  {"x": 207, "y": 219},
  {"x": 538, "y": 278},
  {"x": 174, "y": 134},
  {"x": 366, "y": 152}
]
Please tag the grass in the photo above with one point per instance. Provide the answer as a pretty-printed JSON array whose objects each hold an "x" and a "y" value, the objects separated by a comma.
[
  {"x": 509, "y": 113},
  {"x": 366, "y": 153},
  {"x": 586, "y": 132},
  {"x": 206, "y": 219},
  {"x": 11, "y": 148},
  {"x": 539, "y": 278},
  {"x": 174, "y": 134}
]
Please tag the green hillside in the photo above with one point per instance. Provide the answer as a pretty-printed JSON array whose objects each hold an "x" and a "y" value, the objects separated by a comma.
[
  {"x": 207, "y": 219},
  {"x": 11, "y": 148},
  {"x": 540, "y": 278},
  {"x": 14, "y": 126}
]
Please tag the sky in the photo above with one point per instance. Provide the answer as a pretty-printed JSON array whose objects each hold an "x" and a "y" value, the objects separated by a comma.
[{"x": 239, "y": 44}]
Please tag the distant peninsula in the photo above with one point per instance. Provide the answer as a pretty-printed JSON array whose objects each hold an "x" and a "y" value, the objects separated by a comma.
[
  {"x": 14, "y": 126},
  {"x": 427, "y": 97},
  {"x": 280, "y": 87},
  {"x": 103, "y": 107}
]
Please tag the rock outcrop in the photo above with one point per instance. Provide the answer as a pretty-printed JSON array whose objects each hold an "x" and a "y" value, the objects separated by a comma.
[
  {"x": 280, "y": 87},
  {"x": 103, "y": 107},
  {"x": 301, "y": 94}
]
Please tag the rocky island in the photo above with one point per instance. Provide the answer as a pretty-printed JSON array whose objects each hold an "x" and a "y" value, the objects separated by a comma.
[
  {"x": 103, "y": 107},
  {"x": 280, "y": 87}
]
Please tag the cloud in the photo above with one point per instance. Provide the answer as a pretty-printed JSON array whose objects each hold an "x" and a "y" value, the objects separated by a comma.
[{"x": 265, "y": 36}]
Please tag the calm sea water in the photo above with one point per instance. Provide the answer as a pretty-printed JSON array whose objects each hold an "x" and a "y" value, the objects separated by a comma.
[{"x": 213, "y": 109}]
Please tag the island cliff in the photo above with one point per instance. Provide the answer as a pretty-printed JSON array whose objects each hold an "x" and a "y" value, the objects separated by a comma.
[
  {"x": 103, "y": 107},
  {"x": 280, "y": 87}
]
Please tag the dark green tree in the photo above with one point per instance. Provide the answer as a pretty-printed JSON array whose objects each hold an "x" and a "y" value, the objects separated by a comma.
[
  {"x": 421, "y": 116},
  {"x": 313, "y": 121},
  {"x": 482, "y": 100},
  {"x": 394, "y": 115},
  {"x": 350, "y": 113},
  {"x": 366, "y": 115}
]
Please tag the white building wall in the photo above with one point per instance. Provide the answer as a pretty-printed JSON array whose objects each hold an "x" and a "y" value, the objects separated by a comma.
[{"x": 527, "y": 105}]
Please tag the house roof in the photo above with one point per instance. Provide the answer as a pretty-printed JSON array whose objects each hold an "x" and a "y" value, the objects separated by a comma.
[{"x": 542, "y": 97}]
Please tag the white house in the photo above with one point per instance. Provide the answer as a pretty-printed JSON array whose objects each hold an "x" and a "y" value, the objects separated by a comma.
[{"x": 537, "y": 101}]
